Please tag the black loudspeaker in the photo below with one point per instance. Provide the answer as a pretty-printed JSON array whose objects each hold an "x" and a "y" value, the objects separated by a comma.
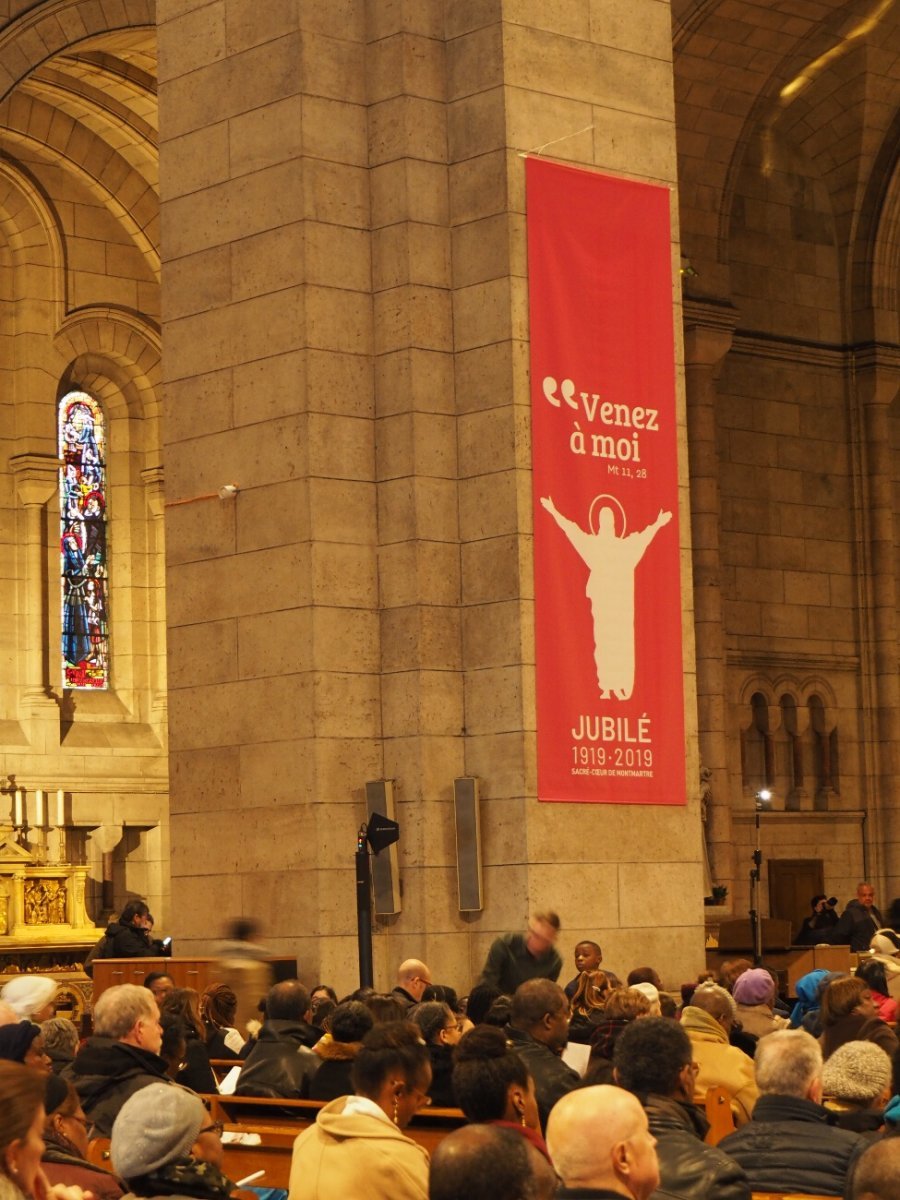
[
  {"x": 385, "y": 865},
  {"x": 467, "y": 813}
]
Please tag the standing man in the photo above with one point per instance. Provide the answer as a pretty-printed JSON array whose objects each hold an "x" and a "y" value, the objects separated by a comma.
[
  {"x": 129, "y": 937},
  {"x": 515, "y": 958},
  {"x": 859, "y": 921}
]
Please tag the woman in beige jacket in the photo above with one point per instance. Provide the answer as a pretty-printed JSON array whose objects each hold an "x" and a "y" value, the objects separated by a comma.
[{"x": 356, "y": 1147}]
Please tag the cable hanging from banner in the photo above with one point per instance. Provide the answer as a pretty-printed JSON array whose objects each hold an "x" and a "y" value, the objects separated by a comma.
[{"x": 556, "y": 141}]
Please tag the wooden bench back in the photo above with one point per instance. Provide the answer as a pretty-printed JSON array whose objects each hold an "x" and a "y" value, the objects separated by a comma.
[
  {"x": 719, "y": 1114},
  {"x": 277, "y": 1124}
]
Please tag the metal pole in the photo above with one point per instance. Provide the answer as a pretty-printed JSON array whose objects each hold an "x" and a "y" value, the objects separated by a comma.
[
  {"x": 755, "y": 918},
  {"x": 364, "y": 910}
]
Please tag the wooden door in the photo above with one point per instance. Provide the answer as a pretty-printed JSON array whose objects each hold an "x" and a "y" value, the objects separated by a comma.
[{"x": 792, "y": 884}]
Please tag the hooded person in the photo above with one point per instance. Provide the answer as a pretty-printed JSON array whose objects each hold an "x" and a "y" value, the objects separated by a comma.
[
  {"x": 809, "y": 988},
  {"x": 164, "y": 1144}
]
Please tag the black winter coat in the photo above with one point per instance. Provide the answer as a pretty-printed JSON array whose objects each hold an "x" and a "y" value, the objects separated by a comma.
[
  {"x": 441, "y": 1090},
  {"x": 792, "y": 1145},
  {"x": 127, "y": 941},
  {"x": 279, "y": 1065},
  {"x": 106, "y": 1072},
  {"x": 688, "y": 1168}
]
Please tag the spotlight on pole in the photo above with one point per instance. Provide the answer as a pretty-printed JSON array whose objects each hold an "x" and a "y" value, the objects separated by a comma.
[
  {"x": 763, "y": 804},
  {"x": 380, "y": 833}
]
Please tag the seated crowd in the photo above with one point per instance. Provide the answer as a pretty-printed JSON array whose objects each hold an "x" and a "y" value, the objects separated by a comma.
[{"x": 596, "y": 1089}]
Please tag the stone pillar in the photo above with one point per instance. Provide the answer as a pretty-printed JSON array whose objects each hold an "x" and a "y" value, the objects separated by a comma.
[
  {"x": 154, "y": 491},
  {"x": 878, "y": 382},
  {"x": 37, "y": 482},
  {"x": 416, "y": 469},
  {"x": 707, "y": 339}
]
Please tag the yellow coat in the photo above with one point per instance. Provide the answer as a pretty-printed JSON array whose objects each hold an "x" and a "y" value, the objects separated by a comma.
[{"x": 721, "y": 1064}]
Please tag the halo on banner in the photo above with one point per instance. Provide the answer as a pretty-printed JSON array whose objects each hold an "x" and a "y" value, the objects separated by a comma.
[{"x": 593, "y": 515}]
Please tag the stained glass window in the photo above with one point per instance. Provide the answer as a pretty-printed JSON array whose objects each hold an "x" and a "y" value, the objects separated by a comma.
[{"x": 83, "y": 548}]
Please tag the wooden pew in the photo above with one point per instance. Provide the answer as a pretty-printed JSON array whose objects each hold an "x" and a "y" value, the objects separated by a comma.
[
  {"x": 221, "y": 1067},
  {"x": 277, "y": 1133},
  {"x": 278, "y": 1123},
  {"x": 789, "y": 1196},
  {"x": 98, "y": 1153},
  {"x": 719, "y": 1114}
]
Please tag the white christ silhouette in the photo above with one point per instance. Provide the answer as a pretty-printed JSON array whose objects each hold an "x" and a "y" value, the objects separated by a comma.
[{"x": 610, "y": 561}]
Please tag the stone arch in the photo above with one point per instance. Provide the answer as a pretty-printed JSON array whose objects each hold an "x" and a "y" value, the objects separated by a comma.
[
  {"x": 875, "y": 265},
  {"x": 109, "y": 178},
  {"x": 42, "y": 32}
]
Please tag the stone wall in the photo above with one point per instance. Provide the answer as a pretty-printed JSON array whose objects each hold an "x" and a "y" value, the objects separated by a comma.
[{"x": 345, "y": 337}]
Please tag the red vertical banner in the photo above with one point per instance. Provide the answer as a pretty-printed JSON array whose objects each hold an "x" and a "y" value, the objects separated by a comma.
[{"x": 610, "y": 697}]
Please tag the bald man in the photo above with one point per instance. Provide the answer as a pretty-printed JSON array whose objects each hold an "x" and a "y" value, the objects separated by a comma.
[
  {"x": 877, "y": 1173},
  {"x": 484, "y": 1162},
  {"x": 413, "y": 977},
  {"x": 601, "y": 1145}
]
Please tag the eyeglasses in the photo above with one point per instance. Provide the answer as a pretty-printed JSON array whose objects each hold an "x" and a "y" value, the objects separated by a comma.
[{"x": 216, "y": 1127}]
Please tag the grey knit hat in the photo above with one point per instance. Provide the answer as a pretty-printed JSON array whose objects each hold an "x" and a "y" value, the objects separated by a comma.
[
  {"x": 155, "y": 1126},
  {"x": 857, "y": 1071}
]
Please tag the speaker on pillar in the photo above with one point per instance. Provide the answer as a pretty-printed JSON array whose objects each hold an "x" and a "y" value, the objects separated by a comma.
[
  {"x": 467, "y": 812},
  {"x": 385, "y": 864}
]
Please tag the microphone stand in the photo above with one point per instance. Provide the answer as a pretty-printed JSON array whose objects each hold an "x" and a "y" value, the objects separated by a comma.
[{"x": 755, "y": 919}]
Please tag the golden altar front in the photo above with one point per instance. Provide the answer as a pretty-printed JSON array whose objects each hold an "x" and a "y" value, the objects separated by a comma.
[{"x": 44, "y": 925}]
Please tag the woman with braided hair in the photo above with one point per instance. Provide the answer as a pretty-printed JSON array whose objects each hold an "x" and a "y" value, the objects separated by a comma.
[{"x": 218, "y": 1008}]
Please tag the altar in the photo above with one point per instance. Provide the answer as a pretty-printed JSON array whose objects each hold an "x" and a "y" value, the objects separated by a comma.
[{"x": 44, "y": 925}]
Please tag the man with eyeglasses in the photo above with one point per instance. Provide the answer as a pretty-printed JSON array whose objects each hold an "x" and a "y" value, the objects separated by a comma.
[
  {"x": 539, "y": 1030},
  {"x": 653, "y": 1059},
  {"x": 515, "y": 958},
  {"x": 413, "y": 977}
]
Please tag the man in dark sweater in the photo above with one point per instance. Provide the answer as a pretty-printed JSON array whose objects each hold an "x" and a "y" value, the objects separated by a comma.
[
  {"x": 515, "y": 958},
  {"x": 791, "y": 1143},
  {"x": 653, "y": 1060}
]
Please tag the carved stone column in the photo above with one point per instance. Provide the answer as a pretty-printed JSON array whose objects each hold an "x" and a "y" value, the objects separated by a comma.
[
  {"x": 708, "y": 335},
  {"x": 37, "y": 481},
  {"x": 878, "y": 383}
]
